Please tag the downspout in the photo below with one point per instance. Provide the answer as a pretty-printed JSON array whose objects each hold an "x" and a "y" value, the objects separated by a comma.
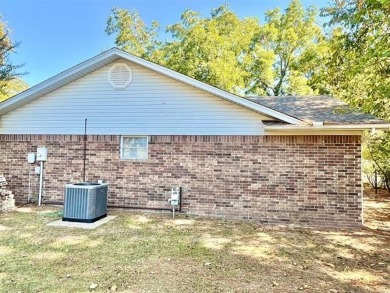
[
  {"x": 40, "y": 184},
  {"x": 180, "y": 199}
]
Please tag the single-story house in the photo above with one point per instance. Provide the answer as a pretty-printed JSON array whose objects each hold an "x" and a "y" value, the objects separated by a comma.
[{"x": 292, "y": 160}]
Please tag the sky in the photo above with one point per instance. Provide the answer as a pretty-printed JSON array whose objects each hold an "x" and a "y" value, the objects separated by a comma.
[{"x": 55, "y": 35}]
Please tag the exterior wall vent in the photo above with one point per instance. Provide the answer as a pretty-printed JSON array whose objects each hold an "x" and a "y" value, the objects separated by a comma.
[{"x": 120, "y": 76}]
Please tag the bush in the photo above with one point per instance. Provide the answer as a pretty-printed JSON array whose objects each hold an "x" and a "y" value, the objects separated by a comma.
[{"x": 377, "y": 151}]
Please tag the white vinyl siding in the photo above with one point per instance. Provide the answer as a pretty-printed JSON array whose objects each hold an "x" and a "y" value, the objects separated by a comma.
[
  {"x": 151, "y": 105},
  {"x": 134, "y": 147}
]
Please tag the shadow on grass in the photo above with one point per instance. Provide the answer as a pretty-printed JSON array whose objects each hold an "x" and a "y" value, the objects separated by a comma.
[{"x": 140, "y": 252}]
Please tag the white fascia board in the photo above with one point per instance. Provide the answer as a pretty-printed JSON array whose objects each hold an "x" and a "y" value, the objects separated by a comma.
[
  {"x": 211, "y": 89},
  {"x": 297, "y": 128},
  {"x": 315, "y": 132}
]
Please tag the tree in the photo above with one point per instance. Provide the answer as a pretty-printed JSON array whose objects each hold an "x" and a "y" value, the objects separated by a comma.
[
  {"x": 286, "y": 52},
  {"x": 234, "y": 54},
  {"x": 378, "y": 154},
  {"x": 12, "y": 87},
  {"x": 10, "y": 82},
  {"x": 132, "y": 34},
  {"x": 208, "y": 49},
  {"x": 358, "y": 65},
  {"x": 212, "y": 50}
]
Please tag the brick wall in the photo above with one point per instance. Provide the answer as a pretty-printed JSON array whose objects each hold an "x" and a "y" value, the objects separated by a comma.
[{"x": 305, "y": 180}]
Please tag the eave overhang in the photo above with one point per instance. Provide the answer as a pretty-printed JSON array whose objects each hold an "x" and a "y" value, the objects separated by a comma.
[{"x": 326, "y": 129}]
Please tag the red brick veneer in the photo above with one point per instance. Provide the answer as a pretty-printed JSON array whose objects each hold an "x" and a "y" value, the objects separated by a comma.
[{"x": 305, "y": 180}]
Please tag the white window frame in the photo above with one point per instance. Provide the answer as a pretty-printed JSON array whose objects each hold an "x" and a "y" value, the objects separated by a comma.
[{"x": 134, "y": 136}]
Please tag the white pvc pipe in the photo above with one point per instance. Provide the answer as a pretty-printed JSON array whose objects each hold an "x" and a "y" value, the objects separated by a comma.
[
  {"x": 40, "y": 185},
  {"x": 29, "y": 185}
]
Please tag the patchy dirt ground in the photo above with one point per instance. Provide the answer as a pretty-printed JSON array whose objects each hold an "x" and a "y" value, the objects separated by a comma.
[
  {"x": 145, "y": 252},
  {"x": 377, "y": 209}
]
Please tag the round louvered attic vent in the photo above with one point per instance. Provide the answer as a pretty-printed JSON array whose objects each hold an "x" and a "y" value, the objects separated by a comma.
[{"x": 120, "y": 76}]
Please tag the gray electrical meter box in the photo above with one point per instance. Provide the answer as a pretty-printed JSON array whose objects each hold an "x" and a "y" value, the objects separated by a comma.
[
  {"x": 175, "y": 196},
  {"x": 31, "y": 158},
  {"x": 42, "y": 154}
]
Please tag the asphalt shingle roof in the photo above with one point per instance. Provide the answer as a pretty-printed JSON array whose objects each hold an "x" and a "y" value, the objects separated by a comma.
[{"x": 324, "y": 109}]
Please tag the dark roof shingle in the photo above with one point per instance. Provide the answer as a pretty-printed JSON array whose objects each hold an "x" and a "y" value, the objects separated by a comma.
[{"x": 324, "y": 109}]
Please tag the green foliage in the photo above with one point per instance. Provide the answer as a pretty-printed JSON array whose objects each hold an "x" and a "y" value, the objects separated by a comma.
[
  {"x": 12, "y": 87},
  {"x": 378, "y": 152},
  {"x": 10, "y": 83},
  {"x": 131, "y": 32},
  {"x": 369, "y": 168},
  {"x": 357, "y": 68},
  {"x": 212, "y": 49},
  {"x": 358, "y": 63},
  {"x": 287, "y": 55},
  {"x": 285, "y": 52},
  {"x": 234, "y": 54}
]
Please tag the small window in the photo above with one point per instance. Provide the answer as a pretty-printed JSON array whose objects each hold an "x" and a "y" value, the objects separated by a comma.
[{"x": 134, "y": 148}]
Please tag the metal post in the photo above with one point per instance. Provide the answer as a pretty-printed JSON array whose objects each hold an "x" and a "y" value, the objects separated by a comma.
[
  {"x": 85, "y": 147},
  {"x": 40, "y": 185},
  {"x": 29, "y": 185}
]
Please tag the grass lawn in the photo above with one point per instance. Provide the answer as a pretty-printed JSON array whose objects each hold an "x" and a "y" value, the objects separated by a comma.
[{"x": 146, "y": 252}]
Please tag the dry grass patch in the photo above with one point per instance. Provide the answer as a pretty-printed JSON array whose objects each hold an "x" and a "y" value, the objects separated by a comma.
[
  {"x": 377, "y": 209},
  {"x": 141, "y": 252}
]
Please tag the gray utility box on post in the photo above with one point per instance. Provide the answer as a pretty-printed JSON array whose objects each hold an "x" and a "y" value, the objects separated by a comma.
[{"x": 85, "y": 202}]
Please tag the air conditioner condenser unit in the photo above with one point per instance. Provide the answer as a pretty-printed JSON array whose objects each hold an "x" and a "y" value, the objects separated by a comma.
[{"x": 85, "y": 202}]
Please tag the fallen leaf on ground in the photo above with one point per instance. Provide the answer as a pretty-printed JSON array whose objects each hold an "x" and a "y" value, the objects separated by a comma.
[{"x": 329, "y": 265}]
